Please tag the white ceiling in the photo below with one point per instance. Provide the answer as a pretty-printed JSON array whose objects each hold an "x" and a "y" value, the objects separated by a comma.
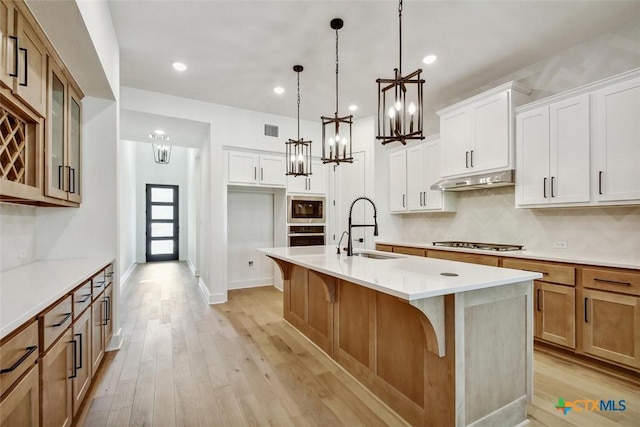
[
  {"x": 136, "y": 126},
  {"x": 237, "y": 51}
]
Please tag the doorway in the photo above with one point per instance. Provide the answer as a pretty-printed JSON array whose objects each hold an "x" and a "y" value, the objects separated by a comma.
[{"x": 162, "y": 225}]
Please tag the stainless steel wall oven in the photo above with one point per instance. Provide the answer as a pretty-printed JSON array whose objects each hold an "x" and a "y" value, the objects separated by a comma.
[{"x": 306, "y": 209}]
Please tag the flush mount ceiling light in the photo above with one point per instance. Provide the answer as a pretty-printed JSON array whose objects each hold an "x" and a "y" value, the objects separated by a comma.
[
  {"x": 336, "y": 142},
  {"x": 179, "y": 66},
  {"x": 400, "y": 103},
  {"x": 159, "y": 132},
  {"x": 278, "y": 90},
  {"x": 429, "y": 59},
  {"x": 298, "y": 151},
  {"x": 353, "y": 107}
]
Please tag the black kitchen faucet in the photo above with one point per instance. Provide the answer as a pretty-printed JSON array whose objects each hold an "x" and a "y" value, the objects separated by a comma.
[{"x": 374, "y": 225}]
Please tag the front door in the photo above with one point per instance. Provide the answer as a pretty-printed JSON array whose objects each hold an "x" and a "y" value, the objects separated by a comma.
[{"x": 162, "y": 222}]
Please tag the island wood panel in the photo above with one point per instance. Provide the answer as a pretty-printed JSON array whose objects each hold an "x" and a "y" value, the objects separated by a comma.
[
  {"x": 320, "y": 311},
  {"x": 555, "y": 319},
  {"x": 353, "y": 323},
  {"x": 298, "y": 292},
  {"x": 465, "y": 257}
]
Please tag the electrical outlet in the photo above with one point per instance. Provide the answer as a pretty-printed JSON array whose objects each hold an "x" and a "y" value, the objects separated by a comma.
[
  {"x": 561, "y": 244},
  {"x": 22, "y": 253},
  {"x": 251, "y": 264}
]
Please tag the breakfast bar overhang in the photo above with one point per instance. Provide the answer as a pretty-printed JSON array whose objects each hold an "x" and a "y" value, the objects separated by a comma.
[{"x": 443, "y": 343}]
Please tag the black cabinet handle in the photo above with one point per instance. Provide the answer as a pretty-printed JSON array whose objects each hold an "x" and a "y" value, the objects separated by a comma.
[
  {"x": 64, "y": 319},
  {"x": 15, "y": 56},
  {"x": 80, "y": 364},
  {"x": 104, "y": 317},
  {"x": 255, "y": 172},
  {"x": 60, "y": 178},
  {"x": 552, "y": 180},
  {"x": 75, "y": 359},
  {"x": 403, "y": 197},
  {"x": 26, "y": 67},
  {"x": 108, "y": 299},
  {"x": 98, "y": 284},
  {"x": 466, "y": 159},
  {"x": 544, "y": 187},
  {"x": 586, "y": 302},
  {"x": 24, "y": 357},
  {"x": 471, "y": 158},
  {"x": 87, "y": 298},
  {"x": 72, "y": 180},
  {"x": 261, "y": 174},
  {"x": 109, "y": 274},
  {"x": 538, "y": 299},
  {"x": 600, "y": 182}
]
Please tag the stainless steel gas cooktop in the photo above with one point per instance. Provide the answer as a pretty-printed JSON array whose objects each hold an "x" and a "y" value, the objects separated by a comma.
[{"x": 481, "y": 246}]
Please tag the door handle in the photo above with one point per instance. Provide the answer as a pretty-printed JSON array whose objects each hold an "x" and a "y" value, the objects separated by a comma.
[
  {"x": 403, "y": 197},
  {"x": 471, "y": 158},
  {"x": 261, "y": 174},
  {"x": 72, "y": 173},
  {"x": 255, "y": 172},
  {"x": 466, "y": 159},
  {"x": 75, "y": 359},
  {"x": 600, "y": 182},
  {"x": 108, "y": 299},
  {"x": 538, "y": 299},
  {"x": 26, "y": 67},
  {"x": 80, "y": 364},
  {"x": 544, "y": 187},
  {"x": 586, "y": 303},
  {"x": 15, "y": 56},
  {"x": 552, "y": 179},
  {"x": 60, "y": 181}
]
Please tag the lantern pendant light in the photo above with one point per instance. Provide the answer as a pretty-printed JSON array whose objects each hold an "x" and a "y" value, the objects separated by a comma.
[
  {"x": 298, "y": 151},
  {"x": 336, "y": 139},
  {"x": 400, "y": 103}
]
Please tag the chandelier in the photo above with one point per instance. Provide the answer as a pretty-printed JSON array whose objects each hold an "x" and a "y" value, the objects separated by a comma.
[
  {"x": 161, "y": 153},
  {"x": 336, "y": 142},
  {"x": 298, "y": 151},
  {"x": 400, "y": 103}
]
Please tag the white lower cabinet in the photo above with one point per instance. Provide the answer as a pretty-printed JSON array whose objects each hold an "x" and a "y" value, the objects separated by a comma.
[{"x": 412, "y": 171}]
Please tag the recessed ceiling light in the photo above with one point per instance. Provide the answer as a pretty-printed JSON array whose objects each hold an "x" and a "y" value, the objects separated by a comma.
[
  {"x": 353, "y": 107},
  {"x": 179, "y": 66},
  {"x": 159, "y": 132},
  {"x": 429, "y": 59},
  {"x": 279, "y": 90}
]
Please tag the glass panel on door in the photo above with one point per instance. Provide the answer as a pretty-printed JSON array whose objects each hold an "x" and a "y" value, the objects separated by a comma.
[
  {"x": 162, "y": 222},
  {"x": 57, "y": 133},
  {"x": 74, "y": 149}
]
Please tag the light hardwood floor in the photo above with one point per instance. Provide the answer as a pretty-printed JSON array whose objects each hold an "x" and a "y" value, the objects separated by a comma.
[{"x": 184, "y": 363}]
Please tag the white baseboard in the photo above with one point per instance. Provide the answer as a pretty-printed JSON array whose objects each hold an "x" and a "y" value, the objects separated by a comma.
[
  {"x": 193, "y": 268},
  {"x": 255, "y": 283},
  {"x": 115, "y": 343},
  {"x": 210, "y": 298},
  {"x": 126, "y": 274}
]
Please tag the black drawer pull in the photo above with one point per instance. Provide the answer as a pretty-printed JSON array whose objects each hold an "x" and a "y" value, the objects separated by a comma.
[
  {"x": 110, "y": 274},
  {"x": 87, "y": 298},
  {"x": 64, "y": 319},
  {"x": 24, "y": 357},
  {"x": 108, "y": 300},
  {"x": 98, "y": 284},
  {"x": 80, "y": 364},
  {"x": 538, "y": 299},
  {"x": 586, "y": 303},
  {"x": 613, "y": 282},
  {"x": 75, "y": 359}
]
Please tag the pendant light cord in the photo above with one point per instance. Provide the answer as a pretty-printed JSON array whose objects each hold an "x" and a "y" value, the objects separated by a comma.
[
  {"x": 298, "y": 106},
  {"x": 336, "y": 73},
  {"x": 400, "y": 31}
]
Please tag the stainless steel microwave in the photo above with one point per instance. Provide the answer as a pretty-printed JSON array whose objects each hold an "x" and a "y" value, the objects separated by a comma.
[{"x": 306, "y": 209}]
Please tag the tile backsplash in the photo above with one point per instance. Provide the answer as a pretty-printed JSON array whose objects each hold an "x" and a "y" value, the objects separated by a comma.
[{"x": 489, "y": 215}]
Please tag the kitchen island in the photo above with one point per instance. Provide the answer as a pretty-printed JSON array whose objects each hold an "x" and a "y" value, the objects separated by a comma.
[{"x": 443, "y": 343}]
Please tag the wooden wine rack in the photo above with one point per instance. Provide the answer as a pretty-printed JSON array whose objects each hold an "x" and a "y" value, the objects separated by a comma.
[{"x": 13, "y": 162}]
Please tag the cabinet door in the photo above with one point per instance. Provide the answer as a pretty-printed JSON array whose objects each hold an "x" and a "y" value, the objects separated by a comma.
[
  {"x": 611, "y": 327},
  {"x": 490, "y": 142},
  {"x": 434, "y": 198},
  {"x": 297, "y": 184},
  {"x": 318, "y": 181},
  {"x": 82, "y": 334},
  {"x": 569, "y": 165},
  {"x": 455, "y": 138},
  {"x": 617, "y": 175},
  {"x": 97, "y": 333},
  {"x": 398, "y": 181},
  {"x": 57, "y": 369},
  {"x": 532, "y": 164},
  {"x": 21, "y": 406},
  {"x": 555, "y": 309},
  {"x": 30, "y": 85},
  {"x": 74, "y": 147},
  {"x": 8, "y": 64},
  {"x": 415, "y": 178},
  {"x": 56, "y": 155},
  {"x": 243, "y": 168},
  {"x": 272, "y": 171}
]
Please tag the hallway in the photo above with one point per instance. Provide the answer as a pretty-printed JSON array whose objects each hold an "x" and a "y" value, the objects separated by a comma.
[{"x": 186, "y": 363}]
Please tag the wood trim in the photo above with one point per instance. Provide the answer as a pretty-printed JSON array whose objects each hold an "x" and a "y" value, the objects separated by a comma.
[
  {"x": 433, "y": 323},
  {"x": 283, "y": 265}
]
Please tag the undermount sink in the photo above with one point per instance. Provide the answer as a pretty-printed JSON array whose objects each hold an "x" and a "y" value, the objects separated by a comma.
[{"x": 374, "y": 256}]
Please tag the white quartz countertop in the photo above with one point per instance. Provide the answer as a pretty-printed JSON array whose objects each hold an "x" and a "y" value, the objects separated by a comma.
[
  {"x": 406, "y": 277},
  {"x": 557, "y": 255},
  {"x": 28, "y": 289}
]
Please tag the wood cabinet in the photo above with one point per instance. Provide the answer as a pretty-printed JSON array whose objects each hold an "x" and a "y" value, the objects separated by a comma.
[
  {"x": 412, "y": 171},
  {"x": 611, "y": 327},
  {"x": 83, "y": 369},
  {"x": 255, "y": 169},
  {"x": 553, "y": 146},
  {"x": 409, "y": 251},
  {"x": 616, "y": 174},
  {"x": 476, "y": 134},
  {"x": 17, "y": 354},
  {"x": 97, "y": 333},
  {"x": 314, "y": 184},
  {"x": 465, "y": 257},
  {"x": 57, "y": 368},
  {"x": 21, "y": 406}
]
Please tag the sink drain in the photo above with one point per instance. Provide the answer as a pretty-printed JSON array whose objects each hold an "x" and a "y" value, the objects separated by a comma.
[{"x": 449, "y": 274}]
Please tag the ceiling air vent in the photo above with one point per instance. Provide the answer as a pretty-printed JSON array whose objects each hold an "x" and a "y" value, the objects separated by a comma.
[{"x": 271, "y": 130}]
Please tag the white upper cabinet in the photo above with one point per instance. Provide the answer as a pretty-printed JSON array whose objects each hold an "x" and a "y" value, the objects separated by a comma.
[
  {"x": 412, "y": 171},
  {"x": 552, "y": 146},
  {"x": 476, "y": 134},
  {"x": 316, "y": 183},
  {"x": 617, "y": 142},
  {"x": 256, "y": 169}
]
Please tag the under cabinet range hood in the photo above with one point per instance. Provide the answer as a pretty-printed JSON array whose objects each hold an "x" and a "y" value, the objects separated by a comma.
[{"x": 476, "y": 182}]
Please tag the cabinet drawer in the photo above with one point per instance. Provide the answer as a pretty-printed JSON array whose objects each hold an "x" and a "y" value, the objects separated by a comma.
[
  {"x": 81, "y": 299},
  {"x": 464, "y": 257},
  {"x": 54, "y": 322},
  {"x": 98, "y": 283},
  {"x": 552, "y": 273},
  {"x": 410, "y": 251},
  {"x": 622, "y": 281},
  {"x": 17, "y": 355},
  {"x": 384, "y": 248}
]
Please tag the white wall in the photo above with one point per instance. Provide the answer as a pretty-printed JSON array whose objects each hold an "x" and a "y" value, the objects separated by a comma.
[
  {"x": 18, "y": 231},
  {"x": 193, "y": 209},
  {"x": 150, "y": 172},
  {"x": 127, "y": 228}
]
